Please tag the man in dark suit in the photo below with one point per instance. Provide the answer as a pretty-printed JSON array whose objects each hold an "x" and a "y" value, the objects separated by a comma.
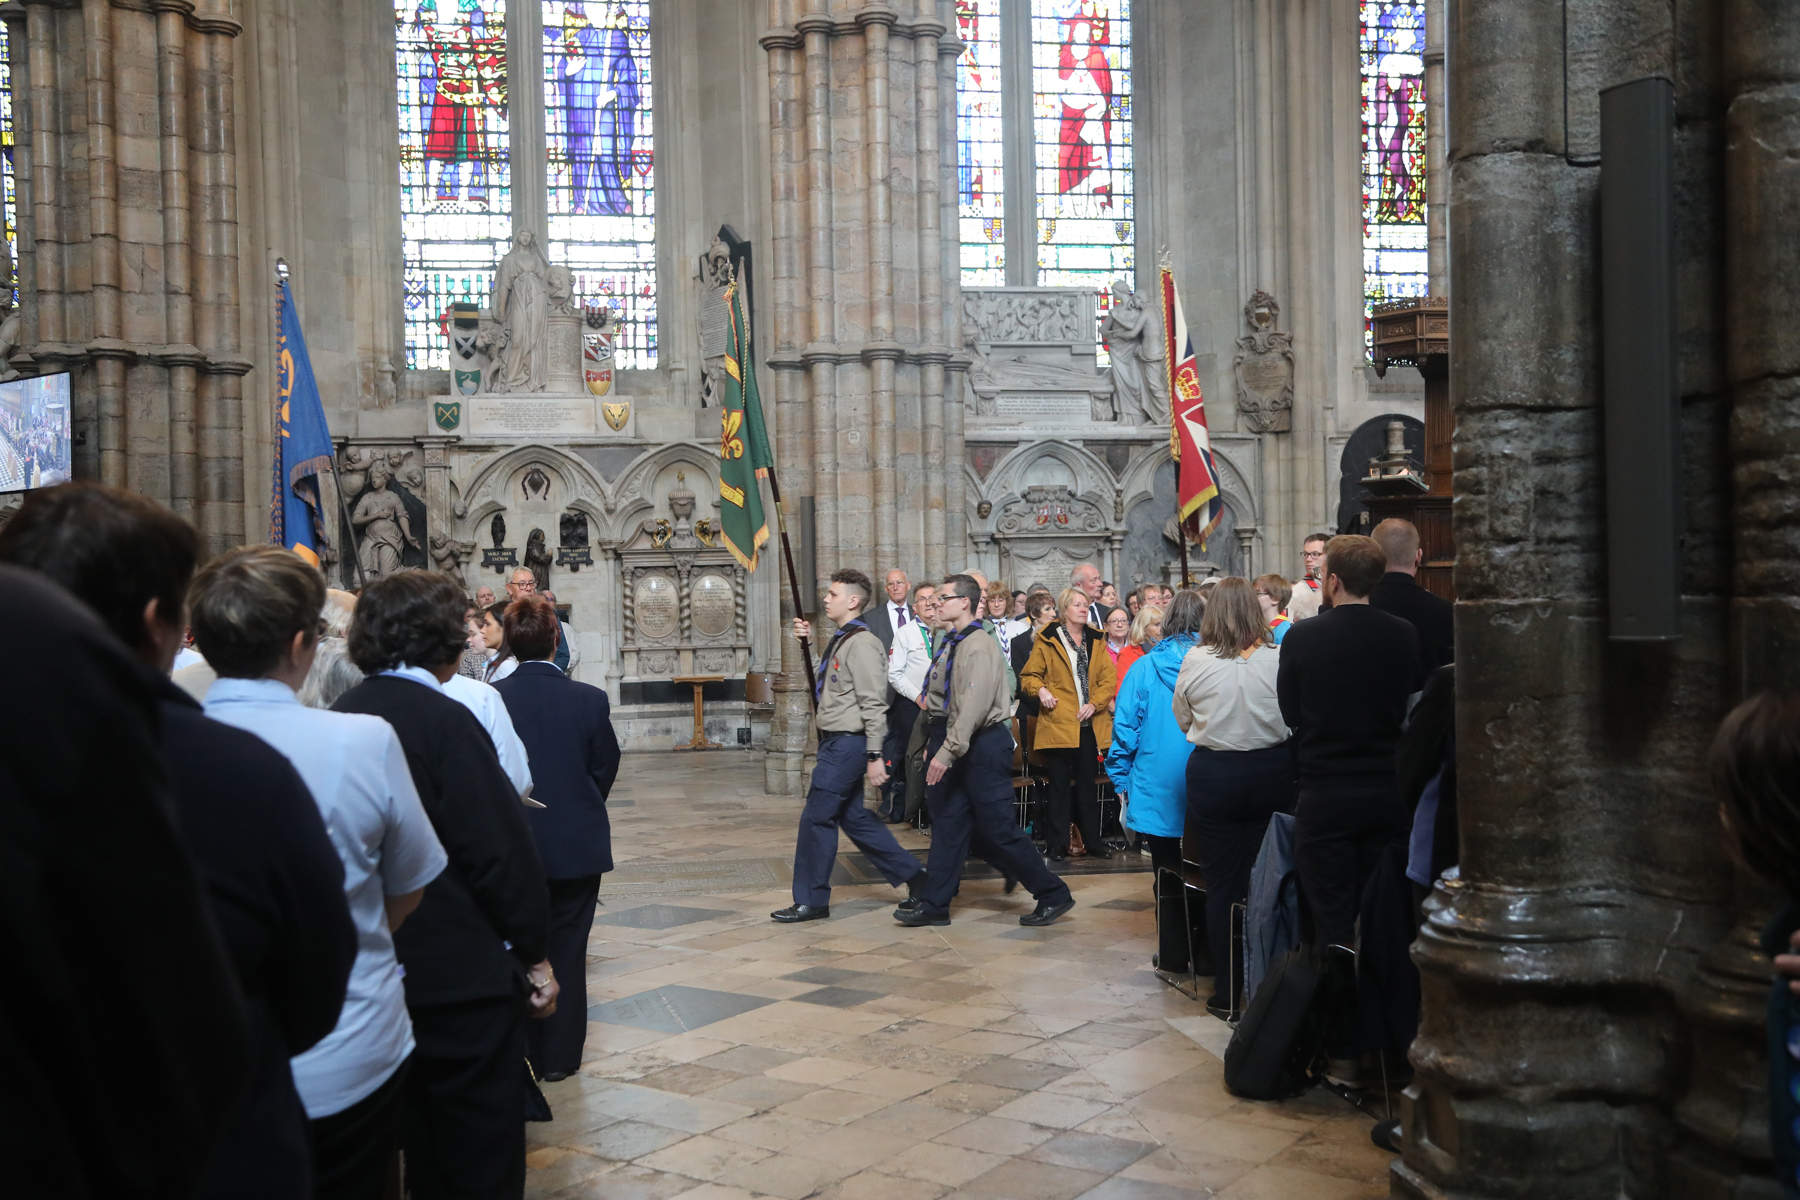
[
  {"x": 1399, "y": 593},
  {"x": 892, "y": 615},
  {"x": 1087, "y": 578},
  {"x": 568, "y": 735},
  {"x": 474, "y": 951},
  {"x": 275, "y": 881}
]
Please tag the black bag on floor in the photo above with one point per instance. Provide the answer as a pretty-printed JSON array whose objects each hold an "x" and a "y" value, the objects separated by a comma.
[{"x": 1278, "y": 1048}]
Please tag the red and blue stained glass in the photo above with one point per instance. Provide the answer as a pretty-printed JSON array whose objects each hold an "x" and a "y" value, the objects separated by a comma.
[
  {"x": 980, "y": 150},
  {"x": 1393, "y": 172},
  {"x": 455, "y": 186},
  {"x": 1081, "y": 115},
  {"x": 7, "y": 182},
  {"x": 600, "y": 161}
]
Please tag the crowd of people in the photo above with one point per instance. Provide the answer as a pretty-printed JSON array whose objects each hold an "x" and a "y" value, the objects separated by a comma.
[
  {"x": 1210, "y": 712},
  {"x": 33, "y": 452},
  {"x": 370, "y": 931}
]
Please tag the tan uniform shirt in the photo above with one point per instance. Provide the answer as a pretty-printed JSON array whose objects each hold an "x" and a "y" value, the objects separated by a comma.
[
  {"x": 981, "y": 698},
  {"x": 855, "y": 696}
]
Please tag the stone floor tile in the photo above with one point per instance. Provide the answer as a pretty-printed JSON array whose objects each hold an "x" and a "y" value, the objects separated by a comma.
[
  {"x": 1163, "y": 1166},
  {"x": 891, "y": 1082},
  {"x": 748, "y": 1060},
  {"x": 996, "y": 1136},
  {"x": 1022, "y": 1179},
  {"x": 853, "y": 1148},
  {"x": 770, "y": 1130},
  {"x": 1090, "y": 1152},
  {"x": 713, "y": 1191},
  {"x": 629, "y": 1182},
  {"x": 1015, "y": 1073},
  {"x": 816, "y": 1070},
  {"x": 759, "y": 1091},
  {"x": 1270, "y": 1182},
  {"x": 688, "y": 1079},
  {"x": 623, "y": 1141},
  {"x": 702, "y": 1157},
  {"x": 910, "y": 1118},
  {"x": 691, "y": 1114},
  {"x": 833, "y": 1106},
  {"x": 984, "y": 1041},
  {"x": 1121, "y": 1188},
  {"x": 550, "y": 1169},
  {"x": 935, "y": 1162},
  {"x": 970, "y": 1097},
  {"x": 875, "y": 1185},
  {"x": 786, "y": 1175},
  {"x": 1051, "y": 1109}
]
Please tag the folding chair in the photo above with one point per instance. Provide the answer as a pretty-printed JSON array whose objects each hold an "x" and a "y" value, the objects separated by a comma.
[{"x": 1192, "y": 887}]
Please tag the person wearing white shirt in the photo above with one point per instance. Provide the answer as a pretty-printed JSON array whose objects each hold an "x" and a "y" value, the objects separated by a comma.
[
  {"x": 908, "y": 659},
  {"x": 482, "y": 700},
  {"x": 1241, "y": 771},
  {"x": 255, "y": 610},
  {"x": 500, "y": 660}
]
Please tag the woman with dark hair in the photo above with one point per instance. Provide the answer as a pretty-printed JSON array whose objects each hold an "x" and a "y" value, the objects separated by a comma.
[
  {"x": 1241, "y": 770},
  {"x": 475, "y": 952},
  {"x": 1072, "y": 677},
  {"x": 1148, "y": 765},
  {"x": 568, "y": 734},
  {"x": 1040, "y": 611},
  {"x": 501, "y": 661}
]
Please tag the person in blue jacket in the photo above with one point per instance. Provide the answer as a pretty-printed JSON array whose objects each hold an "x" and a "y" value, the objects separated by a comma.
[{"x": 1148, "y": 766}]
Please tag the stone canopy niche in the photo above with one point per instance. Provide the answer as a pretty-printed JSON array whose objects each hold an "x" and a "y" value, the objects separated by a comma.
[{"x": 684, "y": 598}]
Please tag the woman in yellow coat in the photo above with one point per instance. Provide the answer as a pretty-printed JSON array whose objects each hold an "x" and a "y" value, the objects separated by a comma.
[{"x": 1071, "y": 674}]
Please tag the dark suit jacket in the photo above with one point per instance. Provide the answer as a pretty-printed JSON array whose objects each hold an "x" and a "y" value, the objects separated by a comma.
[
  {"x": 1097, "y": 614},
  {"x": 277, "y": 891},
  {"x": 493, "y": 891},
  {"x": 124, "y": 1048},
  {"x": 568, "y": 735},
  {"x": 1400, "y": 594},
  {"x": 1020, "y": 650},
  {"x": 878, "y": 621}
]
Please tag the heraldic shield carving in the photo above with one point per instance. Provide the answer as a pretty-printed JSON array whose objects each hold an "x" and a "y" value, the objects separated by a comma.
[{"x": 1264, "y": 365}]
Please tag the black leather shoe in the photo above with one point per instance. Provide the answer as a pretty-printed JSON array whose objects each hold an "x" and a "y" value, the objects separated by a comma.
[
  {"x": 914, "y": 886},
  {"x": 1216, "y": 1005},
  {"x": 899, "y": 820},
  {"x": 1058, "y": 856},
  {"x": 1099, "y": 851},
  {"x": 800, "y": 912},
  {"x": 912, "y": 918},
  {"x": 910, "y": 906},
  {"x": 553, "y": 1076},
  {"x": 1046, "y": 913}
]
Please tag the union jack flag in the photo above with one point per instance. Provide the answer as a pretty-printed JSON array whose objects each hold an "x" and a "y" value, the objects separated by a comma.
[{"x": 1198, "y": 504}]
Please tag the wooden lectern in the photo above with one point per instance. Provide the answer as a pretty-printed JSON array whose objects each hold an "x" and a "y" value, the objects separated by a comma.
[
  {"x": 698, "y": 741},
  {"x": 1416, "y": 333}
]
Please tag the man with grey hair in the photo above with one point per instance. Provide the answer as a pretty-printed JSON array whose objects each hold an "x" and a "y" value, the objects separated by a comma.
[{"x": 1087, "y": 578}]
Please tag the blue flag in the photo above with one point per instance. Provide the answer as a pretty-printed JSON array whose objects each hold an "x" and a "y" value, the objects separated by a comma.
[{"x": 302, "y": 442}]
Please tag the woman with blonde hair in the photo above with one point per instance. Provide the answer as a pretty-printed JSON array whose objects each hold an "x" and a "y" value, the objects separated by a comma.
[
  {"x": 1072, "y": 676},
  {"x": 1146, "y": 631},
  {"x": 1241, "y": 770}
]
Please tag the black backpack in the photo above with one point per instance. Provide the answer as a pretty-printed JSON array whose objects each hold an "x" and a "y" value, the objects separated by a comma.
[{"x": 1278, "y": 1048}]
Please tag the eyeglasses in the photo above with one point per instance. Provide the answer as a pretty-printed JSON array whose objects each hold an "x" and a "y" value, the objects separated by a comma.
[{"x": 1312, "y": 554}]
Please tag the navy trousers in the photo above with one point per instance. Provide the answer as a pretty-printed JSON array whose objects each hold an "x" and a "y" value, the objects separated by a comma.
[
  {"x": 903, "y": 714},
  {"x": 554, "y": 1043},
  {"x": 975, "y": 795},
  {"x": 835, "y": 802},
  {"x": 1231, "y": 797}
]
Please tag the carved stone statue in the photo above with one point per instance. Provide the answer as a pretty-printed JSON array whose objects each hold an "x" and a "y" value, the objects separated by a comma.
[
  {"x": 561, "y": 287},
  {"x": 10, "y": 330},
  {"x": 522, "y": 309},
  {"x": 382, "y": 524},
  {"x": 1132, "y": 335},
  {"x": 537, "y": 559},
  {"x": 447, "y": 555},
  {"x": 681, "y": 505},
  {"x": 1264, "y": 365}
]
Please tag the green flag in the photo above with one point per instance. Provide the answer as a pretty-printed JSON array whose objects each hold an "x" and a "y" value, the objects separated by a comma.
[{"x": 743, "y": 445}]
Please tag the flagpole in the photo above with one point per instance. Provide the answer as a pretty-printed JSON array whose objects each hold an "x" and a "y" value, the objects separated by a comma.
[
  {"x": 787, "y": 553},
  {"x": 1167, "y": 314}
]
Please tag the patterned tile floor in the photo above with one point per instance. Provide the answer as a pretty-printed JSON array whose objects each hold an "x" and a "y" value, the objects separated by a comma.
[{"x": 852, "y": 1059}]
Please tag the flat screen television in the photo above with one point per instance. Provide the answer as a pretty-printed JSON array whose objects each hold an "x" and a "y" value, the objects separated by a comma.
[{"x": 34, "y": 432}]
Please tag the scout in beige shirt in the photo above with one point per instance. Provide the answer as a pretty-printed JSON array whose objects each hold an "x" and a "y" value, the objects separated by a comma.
[
  {"x": 969, "y": 747},
  {"x": 850, "y": 691}
]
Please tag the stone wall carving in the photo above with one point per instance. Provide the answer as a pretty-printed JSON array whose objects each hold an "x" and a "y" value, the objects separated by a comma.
[
  {"x": 384, "y": 494},
  {"x": 1264, "y": 365},
  {"x": 1028, "y": 316}
]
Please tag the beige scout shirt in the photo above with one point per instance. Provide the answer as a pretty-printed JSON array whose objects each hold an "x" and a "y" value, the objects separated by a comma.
[
  {"x": 982, "y": 697},
  {"x": 854, "y": 699}
]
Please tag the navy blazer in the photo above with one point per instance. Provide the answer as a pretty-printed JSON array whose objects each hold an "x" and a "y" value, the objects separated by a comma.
[{"x": 568, "y": 735}]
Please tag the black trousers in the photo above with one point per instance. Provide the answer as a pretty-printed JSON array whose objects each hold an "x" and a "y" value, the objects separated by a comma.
[
  {"x": 1171, "y": 904},
  {"x": 975, "y": 794},
  {"x": 1230, "y": 796},
  {"x": 902, "y": 715},
  {"x": 554, "y": 1043},
  {"x": 354, "y": 1151},
  {"x": 463, "y": 1122},
  {"x": 1340, "y": 830},
  {"x": 1073, "y": 770}
]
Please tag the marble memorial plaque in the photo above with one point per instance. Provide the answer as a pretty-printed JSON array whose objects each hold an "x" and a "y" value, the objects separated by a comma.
[
  {"x": 1044, "y": 407},
  {"x": 713, "y": 603},
  {"x": 523, "y": 416},
  {"x": 658, "y": 612},
  {"x": 1266, "y": 374}
]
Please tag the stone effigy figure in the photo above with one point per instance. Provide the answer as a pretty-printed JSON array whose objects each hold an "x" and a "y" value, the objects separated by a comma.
[
  {"x": 522, "y": 309},
  {"x": 537, "y": 559},
  {"x": 1132, "y": 335},
  {"x": 381, "y": 520}
]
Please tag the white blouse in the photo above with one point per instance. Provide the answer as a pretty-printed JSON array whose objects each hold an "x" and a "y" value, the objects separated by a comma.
[{"x": 1229, "y": 703}]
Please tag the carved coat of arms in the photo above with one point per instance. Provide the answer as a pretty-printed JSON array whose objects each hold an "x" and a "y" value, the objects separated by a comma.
[
  {"x": 1264, "y": 365},
  {"x": 597, "y": 351},
  {"x": 465, "y": 370}
]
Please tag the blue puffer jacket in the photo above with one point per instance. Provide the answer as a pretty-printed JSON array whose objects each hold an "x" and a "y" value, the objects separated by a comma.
[{"x": 1148, "y": 759}]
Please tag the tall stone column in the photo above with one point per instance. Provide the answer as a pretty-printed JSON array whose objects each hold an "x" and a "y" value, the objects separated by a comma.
[
  {"x": 1437, "y": 198},
  {"x": 1581, "y": 1017}
]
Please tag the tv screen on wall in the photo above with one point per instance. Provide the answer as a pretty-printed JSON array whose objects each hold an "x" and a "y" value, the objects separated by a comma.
[{"x": 34, "y": 432}]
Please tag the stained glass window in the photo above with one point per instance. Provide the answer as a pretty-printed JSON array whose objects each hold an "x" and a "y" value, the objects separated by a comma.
[
  {"x": 8, "y": 188},
  {"x": 599, "y": 155},
  {"x": 1393, "y": 172},
  {"x": 455, "y": 189},
  {"x": 980, "y": 149},
  {"x": 1081, "y": 117}
]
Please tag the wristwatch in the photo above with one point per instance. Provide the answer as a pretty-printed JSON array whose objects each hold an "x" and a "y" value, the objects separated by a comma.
[{"x": 873, "y": 755}]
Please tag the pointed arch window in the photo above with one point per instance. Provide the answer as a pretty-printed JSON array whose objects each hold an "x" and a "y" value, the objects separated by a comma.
[
  {"x": 588, "y": 124},
  {"x": 1044, "y": 143}
]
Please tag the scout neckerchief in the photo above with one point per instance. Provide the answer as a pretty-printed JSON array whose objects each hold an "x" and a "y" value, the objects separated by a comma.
[
  {"x": 947, "y": 652},
  {"x": 844, "y": 631}
]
